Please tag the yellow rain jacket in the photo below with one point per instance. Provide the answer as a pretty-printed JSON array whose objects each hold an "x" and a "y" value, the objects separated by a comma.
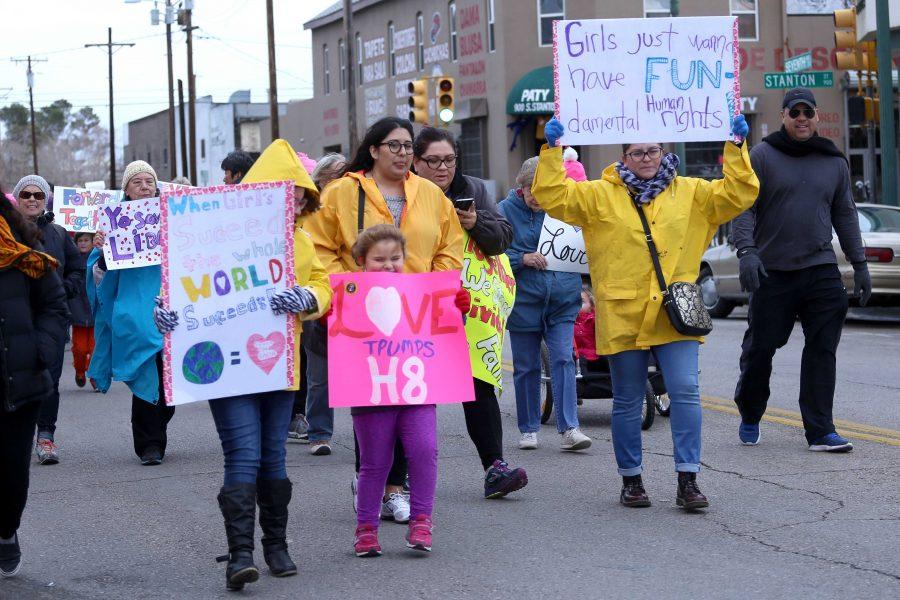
[
  {"x": 683, "y": 220},
  {"x": 279, "y": 162},
  {"x": 434, "y": 238}
]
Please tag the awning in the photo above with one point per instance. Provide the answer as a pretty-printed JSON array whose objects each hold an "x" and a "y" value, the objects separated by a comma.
[{"x": 532, "y": 94}]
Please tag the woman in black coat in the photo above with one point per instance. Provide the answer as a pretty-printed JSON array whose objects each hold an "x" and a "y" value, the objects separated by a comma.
[{"x": 33, "y": 318}]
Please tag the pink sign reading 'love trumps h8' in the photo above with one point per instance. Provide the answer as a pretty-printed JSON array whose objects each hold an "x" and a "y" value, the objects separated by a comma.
[{"x": 397, "y": 340}]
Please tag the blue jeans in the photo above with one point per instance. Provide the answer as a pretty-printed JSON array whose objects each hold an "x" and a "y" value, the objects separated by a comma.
[
  {"x": 253, "y": 430},
  {"x": 526, "y": 352},
  {"x": 319, "y": 416},
  {"x": 679, "y": 364}
]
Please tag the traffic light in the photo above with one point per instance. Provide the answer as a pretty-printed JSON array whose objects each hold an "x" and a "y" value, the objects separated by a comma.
[
  {"x": 445, "y": 103},
  {"x": 854, "y": 56},
  {"x": 418, "y": 101}
]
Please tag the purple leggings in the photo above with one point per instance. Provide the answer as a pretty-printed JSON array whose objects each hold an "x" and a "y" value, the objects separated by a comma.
[{"x": 377, "y": 432}]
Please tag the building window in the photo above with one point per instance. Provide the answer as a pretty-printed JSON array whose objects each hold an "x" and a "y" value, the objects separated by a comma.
[
  {"x": 548, "y": 11},
  {"x": 390, "y": 41},
  {"x": 420, "y": 41},
  {"x": 359, "y": 60},
  {"x": 454, "y": 49},
  {"x": 657, "y": 8},
  {"x": 472, "y": 147},
  {"x": 342, "y": 62},
  {"x": 747, "y": 13},
  {"x": 703, "y": 159},
  {"x": 492, "y": 44},
  {"x": 326, "y": 78},
  {"x": 165, "y": 157},
  {"x": 202, "y": 148}
]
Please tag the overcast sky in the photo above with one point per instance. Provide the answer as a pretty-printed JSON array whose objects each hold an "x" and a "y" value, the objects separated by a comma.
[{"x": 230, "y": 52}]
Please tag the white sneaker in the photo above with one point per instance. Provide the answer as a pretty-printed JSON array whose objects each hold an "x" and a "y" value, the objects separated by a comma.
[
  {"x": 573, "y": 439},
  {"x": 354, "y": 490},
  {"x": 395, "y": 508},
  {"x": 528, "y": 441}
]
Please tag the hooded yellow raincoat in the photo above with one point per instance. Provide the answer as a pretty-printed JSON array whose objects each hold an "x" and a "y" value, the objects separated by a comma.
[
  {"x": 683, "y": 220},
  {"x": 434, "y": 238},
  {"x": 279, "y": 162}
]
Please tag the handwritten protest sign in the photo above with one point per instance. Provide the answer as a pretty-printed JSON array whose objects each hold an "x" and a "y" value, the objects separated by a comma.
[
  {"x": 132, "y": 233},
  {"x": 492, "y": 287},
  {"x": 227, "y": 250},
  {"x": 77, "y": 209},
  {"x": 397, "y": 339},
  {"x": 646, "y": 80},
  {"x": 563, "y": 246}
]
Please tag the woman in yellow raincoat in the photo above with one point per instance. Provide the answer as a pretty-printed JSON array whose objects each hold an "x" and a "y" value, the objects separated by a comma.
[
  {"x": 253, "y": 428},
  {"x": 683, "y": 214}
]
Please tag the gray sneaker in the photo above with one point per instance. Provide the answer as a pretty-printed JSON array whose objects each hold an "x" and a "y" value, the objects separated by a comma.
[
  {"x": 47, "y": 451},
  {"x": 299, "y": 429},
  {"x": 320, "y": 448},
  {"x": 10, "y": 558}
]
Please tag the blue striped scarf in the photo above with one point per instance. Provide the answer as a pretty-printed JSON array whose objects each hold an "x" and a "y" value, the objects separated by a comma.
[{"x": 645, "y": 190}]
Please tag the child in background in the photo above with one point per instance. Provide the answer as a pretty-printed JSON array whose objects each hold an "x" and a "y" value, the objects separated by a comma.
[
  {"x": 585, "y": 339},
  {"x": 383, "y": 248},
  {"x": 82, "y": 319}
]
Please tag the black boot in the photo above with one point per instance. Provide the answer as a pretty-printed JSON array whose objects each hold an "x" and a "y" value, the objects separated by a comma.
[
  {"x": 273, "y": 498},
  {"x": 689, "y": 496},
  {"x": 238, "y": 504}
]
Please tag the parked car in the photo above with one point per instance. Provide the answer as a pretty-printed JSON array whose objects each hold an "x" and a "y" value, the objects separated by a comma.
[{"x": 880, "y": 227}]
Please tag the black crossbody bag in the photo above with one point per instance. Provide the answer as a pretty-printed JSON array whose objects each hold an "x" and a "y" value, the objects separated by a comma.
[{"x": 682, "y": 299}]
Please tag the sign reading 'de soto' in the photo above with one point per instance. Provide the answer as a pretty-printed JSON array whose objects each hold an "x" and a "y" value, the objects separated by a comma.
[
  {"x": 563, "y": 246},
  {"x": 400, "y": 339},
  {"x": 228, "y": 250},
  {"x": 77, "y": 209},
  {"x": 634, "y": 80},
  {"x": 807, "y": 79},
  {"x": 132, "y": 233}
]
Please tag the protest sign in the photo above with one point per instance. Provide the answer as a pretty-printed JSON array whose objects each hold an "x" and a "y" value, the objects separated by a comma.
[
  {"x": 132, "y": 233},
  {"x": 492, "y": 287},
  {"x": 227, "y": 250},
  {"x": 76, "y": 209},
  {"x": 646, "y": 80},
  {"x": 563, "y": 246},
  {"x": 397, "y": 339}
]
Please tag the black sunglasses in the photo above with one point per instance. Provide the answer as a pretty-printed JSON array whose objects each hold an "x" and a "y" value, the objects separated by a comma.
[
  {"x": 35, "y": 195},
  {"x": 809, "y": 113}
]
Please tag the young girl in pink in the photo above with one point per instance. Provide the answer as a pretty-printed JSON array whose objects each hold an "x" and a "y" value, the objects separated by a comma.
[
  {"x": 585, "y": 340},
  {"x": 383, "y": 248}
]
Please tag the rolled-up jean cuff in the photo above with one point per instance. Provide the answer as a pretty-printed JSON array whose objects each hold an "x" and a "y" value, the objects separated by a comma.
[
  {"x": 687, "y": 468},
  {"x": 632, "y": 471}
]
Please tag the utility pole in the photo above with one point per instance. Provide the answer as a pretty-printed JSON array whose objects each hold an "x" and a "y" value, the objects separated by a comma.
[
  {"x": 352, "y": 140},
  {"x": 112, "y": 124},
  {"x": 184, "y": 156},
  {"x": 886, "y": 105},
  {"x": 169, "y": 19},
  {"x": 192, "y": 97},
  {"x": 273, "y": 87},
  {"x": 30, "y": 75},
  {"x": 675, "y": 10}
]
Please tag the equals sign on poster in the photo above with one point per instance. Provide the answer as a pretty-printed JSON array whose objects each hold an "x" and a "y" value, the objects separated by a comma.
[{"x": 235, "y": 358}]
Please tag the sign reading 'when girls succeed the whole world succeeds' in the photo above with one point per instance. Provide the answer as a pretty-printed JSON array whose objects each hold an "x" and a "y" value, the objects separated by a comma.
[{"x": 643, "y": 80}]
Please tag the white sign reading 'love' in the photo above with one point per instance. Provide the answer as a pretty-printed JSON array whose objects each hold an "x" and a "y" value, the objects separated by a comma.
[
  {"x": 563, "y": 246},
  {"x": 646, "y": 80}
]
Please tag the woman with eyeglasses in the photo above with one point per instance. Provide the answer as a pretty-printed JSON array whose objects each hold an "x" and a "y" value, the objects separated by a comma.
[
  {"x": 547, "y": 303},
  {"x": 379, "y": 174},
  {"x": 683, "y": 214}
]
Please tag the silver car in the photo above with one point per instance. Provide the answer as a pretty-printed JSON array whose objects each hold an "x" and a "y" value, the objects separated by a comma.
[{"x": 880, "y": 227}]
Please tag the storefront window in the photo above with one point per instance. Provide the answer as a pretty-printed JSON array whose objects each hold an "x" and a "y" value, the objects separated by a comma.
[
  {"x": 548, "y": 11},
  {"x": 703, "y": 159},
  {"x": 747, "y": 13},
  {"x": 657, "y": 8},
  {"x": 471, "y": 147}
]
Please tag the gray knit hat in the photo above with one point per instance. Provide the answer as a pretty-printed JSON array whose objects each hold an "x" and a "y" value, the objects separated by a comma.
[
  {"x": 35, "y": 180},
  {"x": 134, "y": 168}
]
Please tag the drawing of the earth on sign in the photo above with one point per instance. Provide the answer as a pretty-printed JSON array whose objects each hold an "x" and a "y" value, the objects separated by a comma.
[{"x": 203, "y": 363}]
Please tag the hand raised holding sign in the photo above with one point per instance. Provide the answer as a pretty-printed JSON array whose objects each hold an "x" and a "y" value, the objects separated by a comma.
[
  {"x": 553, "y": 130},
  {"x": 740, "y": 129}
]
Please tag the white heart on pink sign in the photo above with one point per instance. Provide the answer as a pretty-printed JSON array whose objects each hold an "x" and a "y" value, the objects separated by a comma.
[{"x": 383, "y": 308}]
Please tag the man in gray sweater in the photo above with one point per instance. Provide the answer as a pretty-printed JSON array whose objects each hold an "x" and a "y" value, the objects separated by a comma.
[{"x": 788, "y": 263}]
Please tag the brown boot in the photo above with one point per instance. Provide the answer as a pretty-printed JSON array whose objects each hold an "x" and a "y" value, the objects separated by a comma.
[
  {"x": 633, "y": 493},
  {"x": 689, "y": 495}
]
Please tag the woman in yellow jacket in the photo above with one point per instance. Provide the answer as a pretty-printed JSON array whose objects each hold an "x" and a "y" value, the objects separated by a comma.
[
  {"x": 683, "y": 214},
  {"x": 253, "y": 428}
]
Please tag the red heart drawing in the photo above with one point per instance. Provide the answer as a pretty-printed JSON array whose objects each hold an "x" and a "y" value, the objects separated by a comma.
[{"x": 265, "y": 351}]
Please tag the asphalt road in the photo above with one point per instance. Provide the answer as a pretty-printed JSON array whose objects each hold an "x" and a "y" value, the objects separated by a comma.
[{"x": 784, "y": 522}]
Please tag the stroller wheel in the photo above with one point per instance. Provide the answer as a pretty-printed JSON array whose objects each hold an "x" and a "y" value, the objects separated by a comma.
[
  {"x": 663, "y": 405},
  {"x": 648, "y": 410},
  {"x": 546, "y": 388}
]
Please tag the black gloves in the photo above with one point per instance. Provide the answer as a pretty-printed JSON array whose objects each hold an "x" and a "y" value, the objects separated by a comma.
[
  {"x": 862, "y": 283},
  {"x": 752, "y": 269}
]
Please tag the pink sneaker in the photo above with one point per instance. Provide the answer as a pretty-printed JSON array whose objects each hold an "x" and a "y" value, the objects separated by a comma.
[
  {"x": 419, "y": 535},
  {"x": 367, "y": 541}
]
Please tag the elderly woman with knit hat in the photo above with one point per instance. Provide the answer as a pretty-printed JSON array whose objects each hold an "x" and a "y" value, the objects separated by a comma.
[
  {"x": 127, "y": 346},
  {"x": 253, "y": 428},
  {"x": 32, "y": 193}
]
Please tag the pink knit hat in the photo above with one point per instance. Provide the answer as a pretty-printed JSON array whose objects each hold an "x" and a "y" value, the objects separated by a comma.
[
  {"x": 574, "y": 169},
  {"x": 308, "y": 163}
]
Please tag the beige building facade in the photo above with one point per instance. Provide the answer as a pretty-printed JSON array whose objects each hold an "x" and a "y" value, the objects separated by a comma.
[{"x": 500, "y": 54}]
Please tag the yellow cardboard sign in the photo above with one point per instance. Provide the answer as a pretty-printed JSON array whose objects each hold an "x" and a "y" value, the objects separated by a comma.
[{"x": 492, "y": 287}]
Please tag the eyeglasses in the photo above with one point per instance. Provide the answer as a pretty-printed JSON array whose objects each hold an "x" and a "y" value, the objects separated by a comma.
[
  {"x": 394, "y": 146},
  {"x": 435, "y": 162},
  {"x": 35, "y": 195},
  {"x": 638, "y": 155},
  {"x": 809, "y": 113}
]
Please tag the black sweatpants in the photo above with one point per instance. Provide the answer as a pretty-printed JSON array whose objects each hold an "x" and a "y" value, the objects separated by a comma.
[
  {"x": 16, "y": 442},
  {"x": 817, "y": 296},
  {"x": 483, "y": 423},
  {"x": 49, "y": 410},
  {"x": 149, "y": 421}
]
